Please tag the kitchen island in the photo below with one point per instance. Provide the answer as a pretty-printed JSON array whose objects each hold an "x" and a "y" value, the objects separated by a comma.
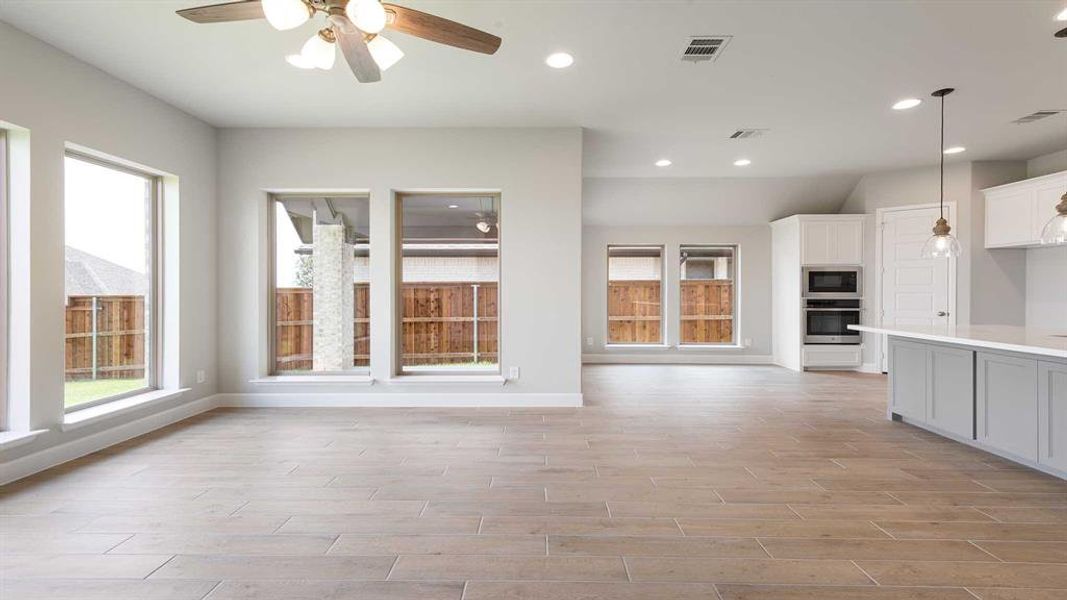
[{"x": 996, "y": 387}]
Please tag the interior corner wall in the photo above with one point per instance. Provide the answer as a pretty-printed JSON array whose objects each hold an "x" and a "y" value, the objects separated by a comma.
[
  {"x": 1052, "y": 162},
  {"x": 753, "y": 292},
  {"x": 61, "y": 100},
  {"x": 538, "y": 174}
]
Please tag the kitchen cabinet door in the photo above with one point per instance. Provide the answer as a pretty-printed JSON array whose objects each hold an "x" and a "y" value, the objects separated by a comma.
[
  {"x": 815, "y": 242},
  {"x": 1009, "y": 217},
  {"x": 1007, "y": 404},
  {"x": 951, "y": 406},
  {"x": 908, "y": 378},
  {"x": 1046, "y": 197},
  {"x": 847, "y": 243},
  {"x": 1052, "y": 414}
]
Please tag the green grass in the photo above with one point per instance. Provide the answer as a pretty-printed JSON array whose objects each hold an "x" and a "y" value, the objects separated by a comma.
[{"x": 80, "y": 392}]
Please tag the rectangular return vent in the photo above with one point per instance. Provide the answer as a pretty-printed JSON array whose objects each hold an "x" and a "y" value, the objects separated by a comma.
[
  {"x": 1041, "y": 114},
  {"x": 741, "y": 134},
  {"x": 705, "y": 47}
]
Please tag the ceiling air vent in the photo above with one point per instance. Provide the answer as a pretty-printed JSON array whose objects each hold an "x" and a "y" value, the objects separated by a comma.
[
  {"x": 742, "y": 134},
  {"x": 705, "y": 47},
  {"x": 1037, "y": 116}
]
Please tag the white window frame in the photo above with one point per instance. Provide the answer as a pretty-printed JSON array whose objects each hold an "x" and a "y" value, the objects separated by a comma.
[
  {"x": 5, "y": 241},
  {"x": 663, "y": 336},
  {"x": 273, "y": 374},
  {"x": 153, "y": 303},
  {"x": 736, "y": 279},
  {"x": 425, "y": 373}
]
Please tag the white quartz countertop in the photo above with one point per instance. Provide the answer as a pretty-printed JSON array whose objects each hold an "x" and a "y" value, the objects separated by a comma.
[{"x": 994, "y": 337}]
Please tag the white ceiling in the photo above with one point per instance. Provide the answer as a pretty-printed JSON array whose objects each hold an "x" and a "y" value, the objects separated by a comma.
[{"x": 819, "y": 75}]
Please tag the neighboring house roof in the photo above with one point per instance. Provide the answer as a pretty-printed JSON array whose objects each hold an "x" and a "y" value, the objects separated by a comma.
[{"x": 90, "y": 275}]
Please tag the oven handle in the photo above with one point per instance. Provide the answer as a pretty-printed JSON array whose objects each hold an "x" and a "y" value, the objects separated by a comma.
[{"x": 834, "y": 309}]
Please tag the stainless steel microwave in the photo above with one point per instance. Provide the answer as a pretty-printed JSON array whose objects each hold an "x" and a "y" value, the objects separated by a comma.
[{"x": 832, "y": 282}]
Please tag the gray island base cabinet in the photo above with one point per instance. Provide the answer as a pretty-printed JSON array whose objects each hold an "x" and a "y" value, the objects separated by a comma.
[{"x": 1012, "y": 404}]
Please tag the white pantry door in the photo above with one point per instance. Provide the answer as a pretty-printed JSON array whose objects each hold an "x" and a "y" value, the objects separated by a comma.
[{"x": 915, "y": 291}]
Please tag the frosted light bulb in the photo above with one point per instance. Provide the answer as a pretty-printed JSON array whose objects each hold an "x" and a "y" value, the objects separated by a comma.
[
  {"x": 319, "y": 53},
  {"x": 285, "y": 14},
  {"x": 384, "y": 52},
  {"x": 368, "y": 15}
]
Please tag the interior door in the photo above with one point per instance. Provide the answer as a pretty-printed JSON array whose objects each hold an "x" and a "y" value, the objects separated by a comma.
[{"x": 914, "y": 290}]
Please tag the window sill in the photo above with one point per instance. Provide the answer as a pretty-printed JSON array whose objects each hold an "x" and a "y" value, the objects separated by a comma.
[
  {"x": 87, "y": 416},
  {"x": 711, "y": 347},
  {"x": 418, "y": 379},
  {"x": 639, "y": 346},
  {"x": 14, "y": 439},
  {"x": 313, "y": 380}
]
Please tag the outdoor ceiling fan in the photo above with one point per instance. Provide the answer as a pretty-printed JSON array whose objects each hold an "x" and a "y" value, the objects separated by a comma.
[{"x": 353, "y": 25}]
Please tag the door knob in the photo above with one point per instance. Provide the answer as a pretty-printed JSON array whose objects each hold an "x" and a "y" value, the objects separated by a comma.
[{"x": 942, "y": 313}]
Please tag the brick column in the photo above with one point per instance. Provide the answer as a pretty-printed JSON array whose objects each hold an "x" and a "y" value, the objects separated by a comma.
[{"x": 334, "y": 298}]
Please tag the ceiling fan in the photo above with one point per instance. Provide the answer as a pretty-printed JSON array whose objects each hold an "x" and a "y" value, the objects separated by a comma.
[{"x": 353, "y": 25}]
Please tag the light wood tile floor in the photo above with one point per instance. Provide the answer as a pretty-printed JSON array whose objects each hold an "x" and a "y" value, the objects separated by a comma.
[{"x": 675, "y": 482}]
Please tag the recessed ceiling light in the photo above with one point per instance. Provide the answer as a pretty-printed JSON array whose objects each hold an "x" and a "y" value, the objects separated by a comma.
[
  {"x": 742, "y": 162},
  {"x": 1062, "y": 16},
  {"x": 663, "y": 162},
  {"x": 907, "y": 103},
  {"x": 954, "y": 149},
  {"x": 559, "y": 60},
  {"x": 453, "y": 206}
]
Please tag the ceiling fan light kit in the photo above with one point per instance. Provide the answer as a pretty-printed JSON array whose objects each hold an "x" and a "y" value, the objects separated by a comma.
[
  {"x": 353, "y": 26},
  {"x": 286, "y": 14}
]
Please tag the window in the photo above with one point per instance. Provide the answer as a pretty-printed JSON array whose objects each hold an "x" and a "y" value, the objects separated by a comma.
[
  {"x": 707, "y": 294},
  {"x": 4, "y": 268},
  {"x": 635, "y": 295},
  {"x": 111, "y": 280},
  {"x": 321, "y": 290},
  {"x": 449, "y": 292}
]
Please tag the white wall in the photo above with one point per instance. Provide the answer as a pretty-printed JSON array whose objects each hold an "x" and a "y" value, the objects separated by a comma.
[
  {"x": 538, "y": 173},
  {"x": 61, "y": 101},
  {"x": 1047, "y": 163},
  {"x": 753, "y": 290},
  {"x": 1046, "y": 288},
  {"x": 1046, "y": 268}
]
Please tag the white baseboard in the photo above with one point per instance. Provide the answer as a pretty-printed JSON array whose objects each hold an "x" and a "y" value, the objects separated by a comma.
[
  {"x": 869, "y": 368},
  {"x": 678, "y": 359},
  {"x": 67, "y": 451},
  {"x": 399, "y": 400}
]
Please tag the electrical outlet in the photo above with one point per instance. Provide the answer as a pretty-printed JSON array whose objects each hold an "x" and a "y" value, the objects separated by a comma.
[
  {"x": 589, "y": 342},
  {"x": 513, "y": 373},
  {"x": 748, "y": 342},
  {"x": 201, "y": 377}
]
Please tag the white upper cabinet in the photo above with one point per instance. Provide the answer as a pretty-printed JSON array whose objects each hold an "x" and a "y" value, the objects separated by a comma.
[
  {"x": 834, "y": 240},
  {"x": 1015, "y": 213}
]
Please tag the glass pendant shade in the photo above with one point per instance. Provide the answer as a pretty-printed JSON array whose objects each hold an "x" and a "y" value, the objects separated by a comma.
[
  {"x": 318, "y": 52},
  {"x": 384, "y": 52},
  {"x": 368, "y": 15},
  {"x": 285, "y": 14},
  {"x": 942, "y": 244},
  {"x": 1055, "y": 231}
]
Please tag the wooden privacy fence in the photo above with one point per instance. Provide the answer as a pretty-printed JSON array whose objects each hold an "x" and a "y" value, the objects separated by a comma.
[
  {"x": 635, "y": 312},
  {"x": 105, "y": 338},
  {"x": 441, "y": 322}
]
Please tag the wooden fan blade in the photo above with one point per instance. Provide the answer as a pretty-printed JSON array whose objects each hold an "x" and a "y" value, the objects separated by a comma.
[
  {"x": 355, "y": 50},
  {"x": 243, "y": 10},
  {"x": 440, "y": 30}
]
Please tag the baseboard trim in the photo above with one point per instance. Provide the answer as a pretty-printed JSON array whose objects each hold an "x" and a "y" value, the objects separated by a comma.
[
  {"x": 52, "y": 456},
  {"x": 399, "y": 400},
  {"x": 678, "y": 359},
  {"x": 869, "y": 368}
]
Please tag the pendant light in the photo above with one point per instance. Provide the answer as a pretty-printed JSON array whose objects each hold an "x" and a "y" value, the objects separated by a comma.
[
  {"x": 1055, "y": 231},
  {"x": 942, "y": 244}
]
